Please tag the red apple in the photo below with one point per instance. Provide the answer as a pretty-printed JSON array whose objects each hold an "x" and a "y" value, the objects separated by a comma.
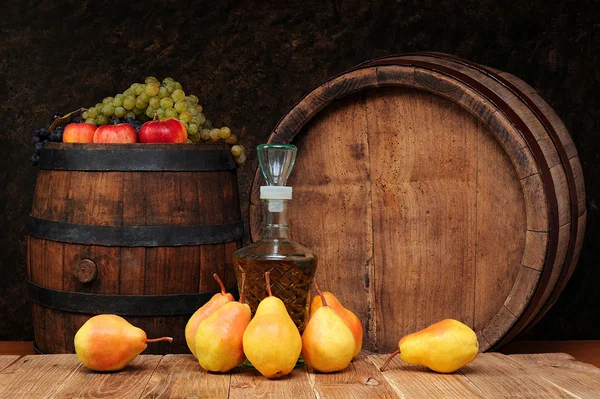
[
  {"x": 122, "y": 133},
  {"x": 79, "y": 133},
  {"x": 168, "y": 130}
]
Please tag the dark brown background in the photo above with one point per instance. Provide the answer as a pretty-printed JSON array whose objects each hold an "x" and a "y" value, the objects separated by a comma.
[{"x": 249, "y": 63}]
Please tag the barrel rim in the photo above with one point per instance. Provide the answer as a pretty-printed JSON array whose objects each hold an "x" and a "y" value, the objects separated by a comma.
[
  {"x": 527, "y": 319},
  {"x": 137, "y": 157},
  {"x": 320, "y": 103}
]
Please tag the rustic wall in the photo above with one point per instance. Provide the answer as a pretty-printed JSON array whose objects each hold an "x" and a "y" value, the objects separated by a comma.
[{"x": 249, "y": 63}]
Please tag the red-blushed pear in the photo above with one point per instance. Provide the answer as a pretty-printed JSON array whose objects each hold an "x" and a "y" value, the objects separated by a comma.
[
  {"x": 79, "y": 133},
  {"x": 350, "y": 318},
  {"x": 327, "y": 341},
  {"x": 215, "y": 303},
  {"x": 107, "y": 342},
  {"x": 444, "y": 347},
  {"x": 219, "y": 346},
  {"x": 168, "y": 130},
  {"x": 122, "y": 133}
]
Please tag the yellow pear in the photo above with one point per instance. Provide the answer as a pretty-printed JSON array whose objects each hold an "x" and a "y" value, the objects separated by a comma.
[
  {"x": 216, "y": 302},
  {"x": 327, "y": 342},
  {"x": 444, "y": 347},
  {"x": 272, "y": 342},
  {"x": 108, "y": 342},
  {"x": 219, "y": 337},
  {"x": 347, "y": 315}
]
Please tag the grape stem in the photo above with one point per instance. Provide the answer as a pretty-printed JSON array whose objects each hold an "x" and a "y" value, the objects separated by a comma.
[{"x": 155, "y": 115}]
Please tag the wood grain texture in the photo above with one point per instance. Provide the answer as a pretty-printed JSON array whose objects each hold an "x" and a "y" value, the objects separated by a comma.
[
  {"x": 7, "y": 360},
  {"x": 501, "y": 220},
  {"x": 124, "y": 385},
  {"x": 477, "y": 165},
  {"x": 117, "y": 198},
  {"x": 181, "y": 377},
  {"x": 361, "y": 379},
  {"x": 490, "y": 375},
  {"x": 345, "y": 257},
  {"x": 557, "y": 148},
  {"x": 498, "y": 376},
  {"x": 426, "y": 239},
  {"x": 249, "y": 383},
  {"x": 412, "y": 381},
  {"x": 582, "y": 351},
  {"x": 578, "y": 379},
  {"x": 37, "y": 376}
]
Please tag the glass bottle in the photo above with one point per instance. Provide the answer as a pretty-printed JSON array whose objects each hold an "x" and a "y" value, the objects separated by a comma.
[{"x": 292, "y": 265}]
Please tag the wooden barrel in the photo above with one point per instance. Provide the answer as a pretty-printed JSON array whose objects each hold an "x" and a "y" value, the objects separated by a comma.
[
  {"x": 432, "y": 187},
  {"x": 135, "y": 230}
]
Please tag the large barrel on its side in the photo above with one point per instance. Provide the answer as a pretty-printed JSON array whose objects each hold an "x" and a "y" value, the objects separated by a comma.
[
  {"x": 134, "y": 230},
  {"x": 432, "y": 187}
]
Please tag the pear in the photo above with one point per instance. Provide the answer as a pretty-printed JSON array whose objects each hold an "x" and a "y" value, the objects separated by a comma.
[
  {"x": 327, "y": 342},
  {"x": 272, "y": 342},
  {"x": 219, "y": 337},
  {"x": 350, "y": 318},
  {"x": 444, "y": 347},
  {"x": 108, "y": 342},
  {"x": 216, "y": 302}
]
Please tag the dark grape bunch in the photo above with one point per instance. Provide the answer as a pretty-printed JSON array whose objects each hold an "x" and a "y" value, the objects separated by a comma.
[{"x": 41, "y": 136}]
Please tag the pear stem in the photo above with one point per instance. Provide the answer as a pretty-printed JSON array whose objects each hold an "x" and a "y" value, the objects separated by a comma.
[
  {"x": 268, "y": 280},
  {"x": 389, "y": 360},
  {"x": 320, "y": 292},
  {"x": 243, "y": 288},
  {"x": 223, "y": 290},
  {"x": 161, "y": 339}
]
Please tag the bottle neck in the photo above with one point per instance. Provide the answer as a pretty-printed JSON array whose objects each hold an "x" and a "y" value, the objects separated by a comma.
[{"x": 275, "y": 219}]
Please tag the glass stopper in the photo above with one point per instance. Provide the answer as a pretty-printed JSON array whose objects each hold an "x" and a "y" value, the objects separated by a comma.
[{"x": 276, "y": 162}]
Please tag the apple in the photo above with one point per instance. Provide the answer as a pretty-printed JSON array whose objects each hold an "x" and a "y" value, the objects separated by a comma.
[
  {"x": 121, "y": 133},
  {"x": 79, "y": 133},
  {"x": 168, "y": 130}
]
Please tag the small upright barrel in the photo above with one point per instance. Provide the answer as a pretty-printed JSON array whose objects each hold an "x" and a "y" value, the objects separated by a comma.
[{"x": 131, "y": 229}]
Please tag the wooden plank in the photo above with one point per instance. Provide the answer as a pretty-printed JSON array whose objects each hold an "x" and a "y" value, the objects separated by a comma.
[
  {"x": 497, "y": 376},
  {"x": 249, "y": 383},
  {"x": 501, "y": 222},
  {"x": 332, "y": 188},
  {"x": 361, "y": 379},
  {"x": 411, "y": 381},
  {"x": 535, "y": 249},
  {"x": 583, "y": 351},
  {"x": 535, "y": 203},
  {"x": 180, "y": 376},
  {"x": 424, "y": 211},
  {"x": 561, "y": 370},
  {"x": 33, "y": 377},
  {"x": 7, "y": 360},
  {"x": 125, "y": 384},
  {"x": 20, "y": 348}
]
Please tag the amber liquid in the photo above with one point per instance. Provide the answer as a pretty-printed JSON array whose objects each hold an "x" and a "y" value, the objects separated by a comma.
[{"x": 290, "y": 282}]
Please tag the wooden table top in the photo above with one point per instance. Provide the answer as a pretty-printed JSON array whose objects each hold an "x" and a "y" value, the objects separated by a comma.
[{"x": 490, "y": 375}]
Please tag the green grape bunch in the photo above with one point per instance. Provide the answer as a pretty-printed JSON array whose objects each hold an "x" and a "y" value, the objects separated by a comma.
[{"x": 140, "y": 101}]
